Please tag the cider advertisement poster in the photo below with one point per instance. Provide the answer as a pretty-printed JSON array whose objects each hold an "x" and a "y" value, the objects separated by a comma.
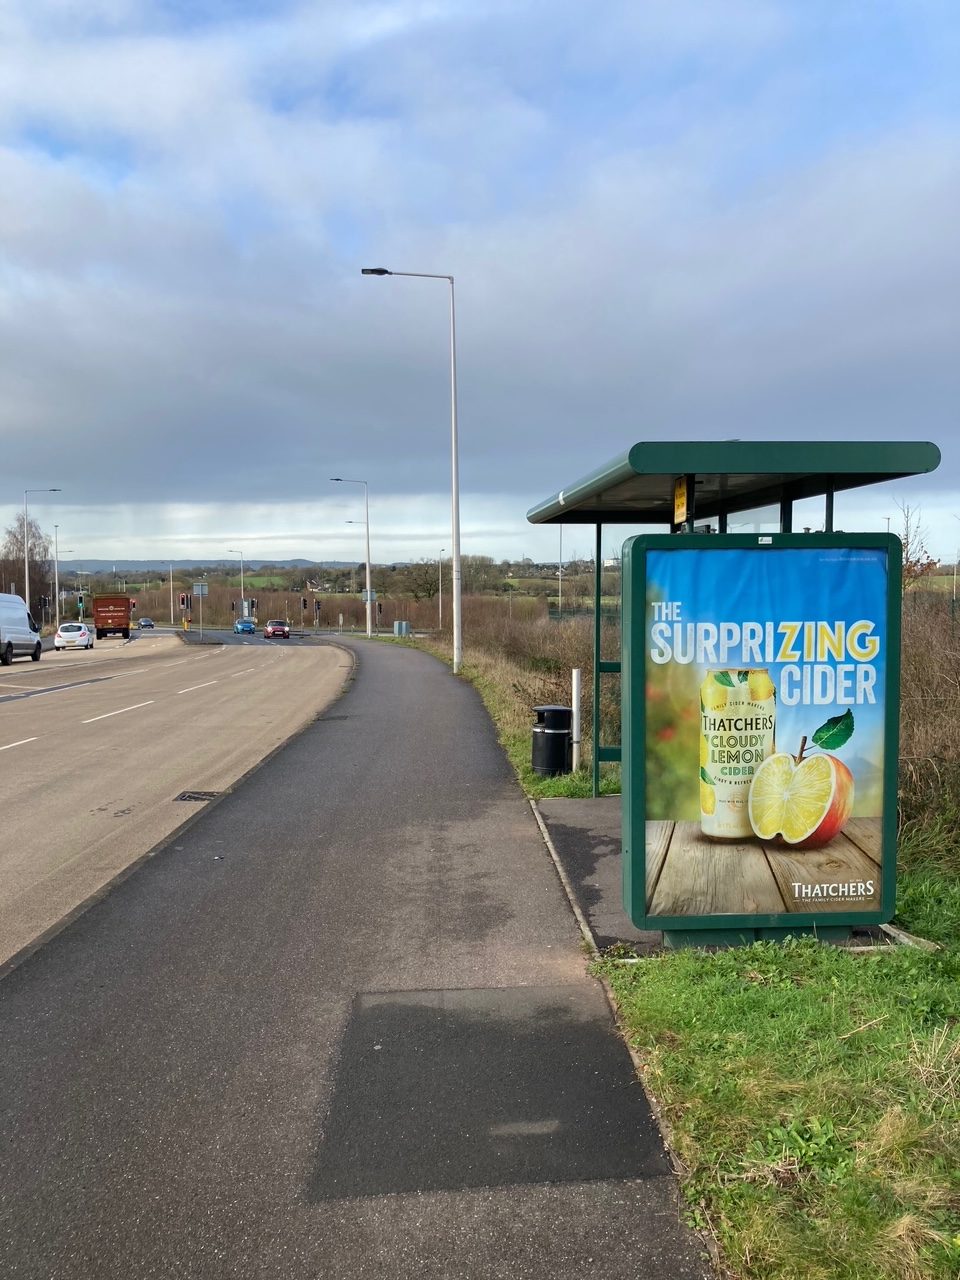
[{"x": 765, "y": 678}]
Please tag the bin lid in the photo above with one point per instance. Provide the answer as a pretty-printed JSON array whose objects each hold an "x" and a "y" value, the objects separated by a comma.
[{"x": 553, "y": 716}]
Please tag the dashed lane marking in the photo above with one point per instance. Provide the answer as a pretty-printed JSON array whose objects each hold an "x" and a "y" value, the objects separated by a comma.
[
  {"x": 21, "y": 743},
  {"x": 108, "y": 714},
  {"x": 205, "y": 685}
]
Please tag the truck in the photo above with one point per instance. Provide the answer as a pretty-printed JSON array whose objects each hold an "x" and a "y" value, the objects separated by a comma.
[{"x": 111, "y": 615}]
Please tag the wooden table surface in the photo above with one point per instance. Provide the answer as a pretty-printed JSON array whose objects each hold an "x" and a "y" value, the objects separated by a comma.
[{"x": 688, "y": 874}]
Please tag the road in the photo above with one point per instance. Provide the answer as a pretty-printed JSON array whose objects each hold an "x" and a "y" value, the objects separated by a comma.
[
  {"x": 96, "y": 746},
  {"x": 339, "y": 1027}
]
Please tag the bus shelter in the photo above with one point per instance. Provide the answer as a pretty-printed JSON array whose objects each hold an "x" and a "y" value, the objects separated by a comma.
[{"x": 746, "y": 640}]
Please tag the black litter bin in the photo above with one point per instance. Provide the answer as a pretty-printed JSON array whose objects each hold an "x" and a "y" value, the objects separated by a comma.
[{"x": 552, "y": 740}]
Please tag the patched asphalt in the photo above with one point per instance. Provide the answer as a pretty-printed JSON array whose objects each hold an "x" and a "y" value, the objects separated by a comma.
[{"x": 341, "y": 1026}]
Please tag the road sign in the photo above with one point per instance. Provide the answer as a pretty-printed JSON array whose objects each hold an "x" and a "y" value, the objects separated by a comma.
[{"x": 199, "y": 588}]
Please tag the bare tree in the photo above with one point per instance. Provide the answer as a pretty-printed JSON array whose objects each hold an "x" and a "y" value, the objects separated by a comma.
[
  {"x": 422, "y": 579},
  {"x": 38, "y": 554},
  {"x": 917, "y": 561}
]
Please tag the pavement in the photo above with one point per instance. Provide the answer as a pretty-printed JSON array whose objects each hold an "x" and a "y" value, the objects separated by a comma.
[
  {"x": 585, "y": 835},
  {"x": 340, "y": 1026}
]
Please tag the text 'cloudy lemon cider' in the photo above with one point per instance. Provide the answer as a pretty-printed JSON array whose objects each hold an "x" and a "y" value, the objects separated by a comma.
[{"x": 738, "y": 719}]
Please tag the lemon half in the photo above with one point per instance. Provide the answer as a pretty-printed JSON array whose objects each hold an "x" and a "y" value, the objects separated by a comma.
[{"x": 790, "y": 799}]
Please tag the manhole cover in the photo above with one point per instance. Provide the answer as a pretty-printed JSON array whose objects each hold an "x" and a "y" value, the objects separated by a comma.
[{"x": 197, "y": 795}]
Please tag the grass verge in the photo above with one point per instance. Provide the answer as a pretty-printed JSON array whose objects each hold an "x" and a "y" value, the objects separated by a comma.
[
  {"x": 813, "y": 1098},
  {"x": 496, "y": 679}
]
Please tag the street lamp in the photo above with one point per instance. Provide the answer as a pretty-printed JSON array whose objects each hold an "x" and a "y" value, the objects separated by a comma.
[
  {"x": 454, "y": 455},
  {"x": 440, "y": 583},
  {"x": 26, "y": 544},
  {"x": 56, "y": 568},
  {"x": 234, "y": 552},
  {"x": 366, "y": 521}
]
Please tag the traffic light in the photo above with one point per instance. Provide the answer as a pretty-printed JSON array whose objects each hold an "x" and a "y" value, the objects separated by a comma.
[
  {"x": 303, "y": 602},
  {"x": 79, "y": 599},
  {"x": 233, "y": 606},
  {"x": 183, "y": 599},
  {"x": 253, "y": 605}
]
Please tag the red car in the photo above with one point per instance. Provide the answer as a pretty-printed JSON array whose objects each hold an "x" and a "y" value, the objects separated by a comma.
[{"x": 275, "y": 627}]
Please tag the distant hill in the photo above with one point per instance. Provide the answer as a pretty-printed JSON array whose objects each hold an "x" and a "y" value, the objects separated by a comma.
[{"x": 129, "y": 567}]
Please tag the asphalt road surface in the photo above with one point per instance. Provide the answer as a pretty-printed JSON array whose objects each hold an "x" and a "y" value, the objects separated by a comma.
[
  {"x": 96, "y": 746},
  {"x": 340, "y": 1027}
]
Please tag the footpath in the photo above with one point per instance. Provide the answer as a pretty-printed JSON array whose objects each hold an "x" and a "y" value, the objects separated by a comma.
[{"x": 342, "y": 1026}]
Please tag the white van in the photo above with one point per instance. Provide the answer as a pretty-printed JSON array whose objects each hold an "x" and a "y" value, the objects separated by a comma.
[{"x": 19, "y": 634}]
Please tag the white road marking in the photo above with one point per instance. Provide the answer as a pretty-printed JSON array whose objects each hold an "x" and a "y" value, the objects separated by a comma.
[
  {"x": 206, "y": 685},
  {"x": 245, "y": 671},
  {"x": 17, "y": 744},
  {"x": 108, "y": 714}
]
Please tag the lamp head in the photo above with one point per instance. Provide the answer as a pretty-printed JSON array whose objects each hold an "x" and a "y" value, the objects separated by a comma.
[{"x": 375, "y": 271}]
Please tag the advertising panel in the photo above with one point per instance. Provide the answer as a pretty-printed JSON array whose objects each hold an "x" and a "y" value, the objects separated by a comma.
[{"x": 760, "y": 687}]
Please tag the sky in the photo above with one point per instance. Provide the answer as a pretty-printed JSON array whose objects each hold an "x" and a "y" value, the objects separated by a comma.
[{"x": 679, "y": 220}]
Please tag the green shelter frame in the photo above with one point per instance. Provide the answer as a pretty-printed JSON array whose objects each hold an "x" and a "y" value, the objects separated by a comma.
[{"x": 722, "y": 478}]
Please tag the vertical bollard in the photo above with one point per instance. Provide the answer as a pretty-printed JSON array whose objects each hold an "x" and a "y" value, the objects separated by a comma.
[{"x": 575, "y": 726}]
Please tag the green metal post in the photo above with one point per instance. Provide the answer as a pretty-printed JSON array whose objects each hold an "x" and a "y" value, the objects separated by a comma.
[
  {"x": 786, "y": 515},
  {"x": 597, "y": 621}
]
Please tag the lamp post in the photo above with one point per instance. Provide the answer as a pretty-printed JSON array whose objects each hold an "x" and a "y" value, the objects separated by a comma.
[
  {"x": 454, "y": 455},
  {"x": 234, "y": 552},
  {"x": 560, "y": 579},
  {"x": 26, "y": 544},
  {"x": 171, "y": 595},
  {"x": 440, "y": 584},
  {"x": 366, "y": 521},
  {"x": 56, "y": 570},
  {"x": 368, "y": 592}
]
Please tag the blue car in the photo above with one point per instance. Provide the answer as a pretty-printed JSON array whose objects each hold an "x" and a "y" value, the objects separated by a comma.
[{"x": 245, "y": 626}]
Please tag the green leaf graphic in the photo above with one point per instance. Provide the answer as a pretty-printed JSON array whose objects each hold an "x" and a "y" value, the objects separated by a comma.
[
  {"x": 743, "y": 676},
  {"x": 723, "y": 677},
  {"x": 835, "y": 732},
  {"x": 705, "y": 777}
]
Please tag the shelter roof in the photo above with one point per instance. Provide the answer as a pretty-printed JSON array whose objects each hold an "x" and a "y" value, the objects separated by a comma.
[{"x": 730, "y": 476}]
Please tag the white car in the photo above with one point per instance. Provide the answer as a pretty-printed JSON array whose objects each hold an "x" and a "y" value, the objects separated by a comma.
[{"x": 73, "y": 635}]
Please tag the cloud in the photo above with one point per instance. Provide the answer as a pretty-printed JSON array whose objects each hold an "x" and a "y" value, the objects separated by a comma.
[{"x": 669, "y": 221}]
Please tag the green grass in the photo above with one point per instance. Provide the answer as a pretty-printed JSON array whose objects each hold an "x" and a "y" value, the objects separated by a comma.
[
  {"x": 514, "y": 723},
  {"x": 928, "y": 879},
  {"x": 263, "y": 581},
  {"x": 813, "y": 1097}
]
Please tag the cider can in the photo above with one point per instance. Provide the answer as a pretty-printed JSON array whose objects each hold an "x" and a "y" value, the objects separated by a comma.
[{"x": 738, "y": 720}]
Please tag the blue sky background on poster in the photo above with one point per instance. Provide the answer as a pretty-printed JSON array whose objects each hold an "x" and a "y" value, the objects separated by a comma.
[{"x": 711, "y": 587}]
